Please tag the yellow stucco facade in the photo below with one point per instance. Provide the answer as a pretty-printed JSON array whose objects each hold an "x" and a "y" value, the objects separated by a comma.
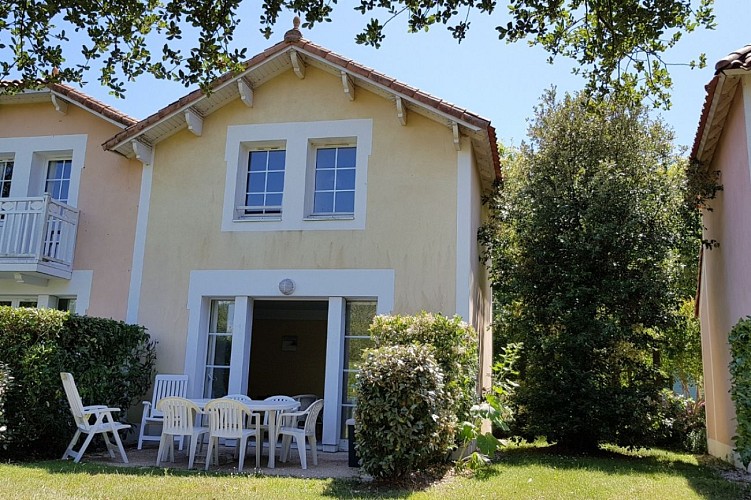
[{"x": 411, "y": 208}]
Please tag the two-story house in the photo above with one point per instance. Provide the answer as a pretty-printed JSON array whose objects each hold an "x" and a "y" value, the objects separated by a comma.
[
  {"x": 67, "y": 207},
  {"x": 279, "y": 213}
]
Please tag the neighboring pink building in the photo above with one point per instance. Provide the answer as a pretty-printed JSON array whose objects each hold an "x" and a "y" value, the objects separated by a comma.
[
  {"x": 68, "y": 208},
  {"x": 722, "y": 144}
]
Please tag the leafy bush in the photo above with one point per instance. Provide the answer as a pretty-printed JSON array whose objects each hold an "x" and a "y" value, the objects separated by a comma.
[
  {"x": 740, "y": 390},
  {"x": 403, "y": 419},
  {"x": 5, "y": 380},
  {"x": 111, "y": 361},
  {"x": 680, "y": 423},
  {"x": 455, "y": 349}
]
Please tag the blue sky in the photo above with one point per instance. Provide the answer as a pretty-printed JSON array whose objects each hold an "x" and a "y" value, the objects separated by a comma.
[{"x": 489, "y": 77}]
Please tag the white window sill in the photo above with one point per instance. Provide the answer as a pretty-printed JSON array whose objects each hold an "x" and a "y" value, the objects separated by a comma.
[
  {"x": 258, "y": 218},
  {"x": 329, "y": 217}
]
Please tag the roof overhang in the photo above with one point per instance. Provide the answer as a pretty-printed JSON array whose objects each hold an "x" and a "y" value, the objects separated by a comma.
[{"x": 288, "y": 56}]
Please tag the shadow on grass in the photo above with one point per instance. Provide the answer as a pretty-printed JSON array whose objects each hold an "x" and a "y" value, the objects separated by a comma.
[
  {"x": 704, "y": 478},
  {"x": 337, "y": 488}
]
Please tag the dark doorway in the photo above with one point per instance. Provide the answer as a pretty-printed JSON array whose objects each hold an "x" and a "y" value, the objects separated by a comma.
[{"x": 288, "y": 348}]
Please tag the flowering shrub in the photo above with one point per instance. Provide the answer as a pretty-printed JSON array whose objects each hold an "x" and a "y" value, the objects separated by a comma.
[{"x": 403, "y": 422}]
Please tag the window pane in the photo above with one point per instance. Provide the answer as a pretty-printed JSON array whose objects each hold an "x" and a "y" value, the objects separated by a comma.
[
  {"x": 257, "y": 182},
  {"x": 347, "y": 413},
  {"x": 324, "y": 180},
  {"x": 220, "y": 350},
  {"x": 66, "y": 169},
  {"x": 255, "y": 200},
  {"x": 277, "y": 159},
  {"x": 353, "y": 350},
  {"x": 323, "y": 203},
  {"x": 345, "y": 179},
  {"x": 346, "y": 157},
  {"x": 258, "y": 161},
  {"x": 28, "y": 303},
  {"x": 326, "y": 158},
  {"x": 273, "y": 200},
  {"x": 217, "y": 382},
  {"x": 345, "y": 202},
  {"x": 275, "y": 182},
  {"x": 222, "y": 315},
  {"x": 359, "y": 316},
  {"x": 349, "y": 395}
]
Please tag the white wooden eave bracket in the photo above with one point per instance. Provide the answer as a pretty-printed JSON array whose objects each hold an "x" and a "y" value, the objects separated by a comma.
[
  {"x": 298, "y": 66},
  {"x": 457, "y": 138},
  {"x": 401, "y": 111},
  {"x": 194, "y": 122},
  {"x": 28, "y": 279},
  {"x": 348, "y": 85},
  {"x": 143, "y": 152},
  {"x": 60, "y": 105},
  {"x": 246, "y": 92}
]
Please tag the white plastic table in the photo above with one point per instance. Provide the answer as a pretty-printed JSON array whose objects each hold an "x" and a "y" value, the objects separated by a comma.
[{"x": 271, "y": 408}]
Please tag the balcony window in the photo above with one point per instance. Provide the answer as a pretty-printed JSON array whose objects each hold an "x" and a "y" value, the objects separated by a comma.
[
  {"x": 6, "y": 175},
  {"x": 58, "y": 179}
]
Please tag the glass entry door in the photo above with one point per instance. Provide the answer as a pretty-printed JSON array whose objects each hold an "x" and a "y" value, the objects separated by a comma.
[{"x": 219, "y": 348}]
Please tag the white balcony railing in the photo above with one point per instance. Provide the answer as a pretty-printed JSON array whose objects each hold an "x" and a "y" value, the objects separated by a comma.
[{"x": 37, "y": 230}]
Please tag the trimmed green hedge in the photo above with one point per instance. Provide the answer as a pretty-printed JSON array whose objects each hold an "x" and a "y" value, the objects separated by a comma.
[{"x": 112, "y": 363}]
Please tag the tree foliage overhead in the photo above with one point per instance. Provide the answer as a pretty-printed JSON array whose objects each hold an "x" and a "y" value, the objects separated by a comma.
[
  {"x": 618, "y": 45},
  {"x": 583, "y": 240}
]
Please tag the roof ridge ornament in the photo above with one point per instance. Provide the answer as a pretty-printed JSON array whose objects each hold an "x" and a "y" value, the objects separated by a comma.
[{"x": 294, "y": 35}]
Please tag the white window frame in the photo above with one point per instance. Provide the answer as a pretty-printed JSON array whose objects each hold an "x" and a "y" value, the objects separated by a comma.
[
  {"x": 242, "y": 181},
  {"x": 4, "y": 160},
  {"x": 299, "y": 170},
  {"x": 31, "y": 156},
  {"x": 48, "y": 161},
  {"x": 313, "y": 147}
]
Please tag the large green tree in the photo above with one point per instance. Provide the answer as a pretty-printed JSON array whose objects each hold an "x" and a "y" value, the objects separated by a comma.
[
  {"x": 618, "y": 44},
  {"x": 583, "y": 240}
]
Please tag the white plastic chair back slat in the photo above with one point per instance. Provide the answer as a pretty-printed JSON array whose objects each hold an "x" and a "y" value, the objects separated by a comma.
[
  {"x": 310, "y": 421},
  {"x": 167, "y": 386},
  {"x": 74, "y": 400},
  {"x": 276, "y": 399}
]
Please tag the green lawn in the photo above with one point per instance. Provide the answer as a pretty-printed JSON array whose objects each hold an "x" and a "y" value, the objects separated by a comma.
[{"x": 518, "y": 473}]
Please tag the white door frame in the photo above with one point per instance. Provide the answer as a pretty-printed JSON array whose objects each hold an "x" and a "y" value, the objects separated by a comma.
[{"x": 333, "y": 285}]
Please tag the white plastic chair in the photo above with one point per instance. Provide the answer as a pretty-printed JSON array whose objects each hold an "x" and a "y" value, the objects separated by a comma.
[
  {"x": 103, "y": 422},
  {"x": 305, "y": 400},
  {"x": 227, "y": 421},
  {"x": 179, "y": 419},
  {"x": 164, "y": 386},
  {"x": 265, "y": 424},
  {"x": 289, "y": 430}
]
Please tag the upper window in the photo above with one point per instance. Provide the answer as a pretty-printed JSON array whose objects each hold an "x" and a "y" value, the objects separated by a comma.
[
  {"x": 265, "y": 183},
  {"x": 58, "y": 179},
  {"x": 297, "y": 176},
  {"x": 6, "y": 175},
  {"x": 335, "y": 181}
]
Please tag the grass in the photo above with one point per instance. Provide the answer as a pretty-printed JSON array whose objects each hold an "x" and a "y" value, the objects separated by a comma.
[{"x": 525, "y": 472}]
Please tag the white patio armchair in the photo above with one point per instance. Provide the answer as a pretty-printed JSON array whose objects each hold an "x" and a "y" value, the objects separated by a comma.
[
  {"x": 227, "y": 419},
  {"x": 103, "y": 423},
  {"x": 265, "y": 425},
  {"x": 288, "y": 429},
  {"x": 179, "y": 419},
  {"x": 164, "y": 386}
]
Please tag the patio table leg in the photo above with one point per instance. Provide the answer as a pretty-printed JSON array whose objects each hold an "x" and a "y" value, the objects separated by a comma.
[{"x": 273, "y": 437}]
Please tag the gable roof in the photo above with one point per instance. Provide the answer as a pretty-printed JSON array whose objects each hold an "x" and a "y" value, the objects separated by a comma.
[
  {"x": 720, "y": 92},
  {"x": 276, "y": 60},
  {"x": 67, "y": 94}
]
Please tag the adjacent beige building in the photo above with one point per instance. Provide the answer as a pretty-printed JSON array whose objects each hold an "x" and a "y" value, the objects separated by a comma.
[
  {"x": 281, "y": 212},
  {"x": 722, "y": 145},
  {"x": 67, "y": 208}
]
